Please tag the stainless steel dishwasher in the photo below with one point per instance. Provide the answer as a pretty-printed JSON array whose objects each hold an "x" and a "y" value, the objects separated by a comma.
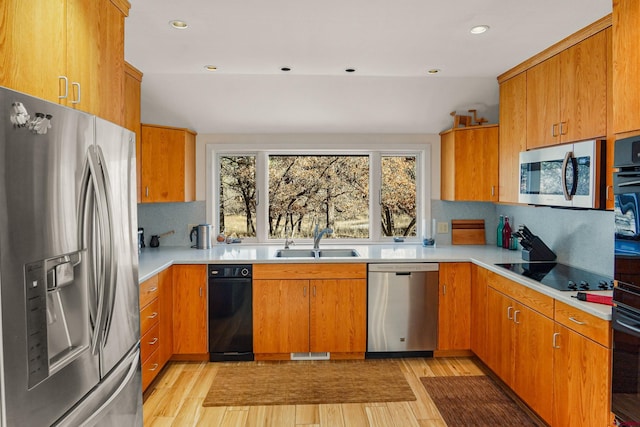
[{"x": 402, "y": 309}]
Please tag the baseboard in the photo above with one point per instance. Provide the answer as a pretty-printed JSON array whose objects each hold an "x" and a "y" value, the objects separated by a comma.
[{"x": 453, "y": 353}]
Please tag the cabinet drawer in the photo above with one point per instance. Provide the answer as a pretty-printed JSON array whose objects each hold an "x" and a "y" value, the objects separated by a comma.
[
  {"x": 149, "y": 343},
  {"x": 149, "y": 316},
  {"x": 584, "y": 323},
  {"x": 150, "y": 369},
  {"x": 310, "y": 271},
  {"x": 532, "y": 299},
  {"x": 148, "y": 290}
]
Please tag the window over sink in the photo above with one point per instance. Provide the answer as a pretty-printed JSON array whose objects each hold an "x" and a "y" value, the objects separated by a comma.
[{"x": 362, "y": 195}]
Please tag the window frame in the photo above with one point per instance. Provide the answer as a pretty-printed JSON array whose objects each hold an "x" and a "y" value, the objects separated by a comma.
[{"x": 422, "y": 152}]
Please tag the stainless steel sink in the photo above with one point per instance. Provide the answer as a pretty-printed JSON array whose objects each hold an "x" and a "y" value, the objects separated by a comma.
[
  {"x": 338, "y": 253},
  {"x": 296, "y": 253},
  {"x": 316, "y": 253}
]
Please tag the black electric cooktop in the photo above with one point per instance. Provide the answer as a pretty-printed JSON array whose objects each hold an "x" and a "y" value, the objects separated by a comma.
[{"x": 561, "y": 276}]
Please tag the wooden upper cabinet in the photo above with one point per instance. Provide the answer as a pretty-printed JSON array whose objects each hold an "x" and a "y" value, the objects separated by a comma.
[
  {"x": 626, "y": 66},
  {"x": 132, "y": 95},
  {"x": 168, "y": 164},
  {"x": 567, "y": 95},
  {"x": 513, "y": 135},
  {"x": 23, "y": 28},
  {"x": 543, "y": 103},
  {"x": 469, "y": 164},
  {"x": 82, "y": 41}
]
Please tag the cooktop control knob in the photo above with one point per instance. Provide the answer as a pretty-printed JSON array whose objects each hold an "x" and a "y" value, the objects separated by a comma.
[
  {"x": 584, "y": 285},
  {"x": 603, "y": 285},
  {"x": 572, "y": 286}
]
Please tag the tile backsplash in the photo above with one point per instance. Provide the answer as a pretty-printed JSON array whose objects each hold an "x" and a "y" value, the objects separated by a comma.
[{"x": 583, "y": 238}]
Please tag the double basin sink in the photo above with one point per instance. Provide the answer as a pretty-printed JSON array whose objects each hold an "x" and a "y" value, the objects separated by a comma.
[{"x": 316, "y": 253}]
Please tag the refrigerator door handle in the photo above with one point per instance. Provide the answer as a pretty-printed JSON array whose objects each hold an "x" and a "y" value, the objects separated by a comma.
[
  {"x": 88, "y": 411},
  {"x": 96, "y": 192},
  {"x": 112, "y": 262}
]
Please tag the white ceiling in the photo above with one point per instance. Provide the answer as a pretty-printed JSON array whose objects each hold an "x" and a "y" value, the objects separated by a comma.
[{"x": 390, "y": 43}]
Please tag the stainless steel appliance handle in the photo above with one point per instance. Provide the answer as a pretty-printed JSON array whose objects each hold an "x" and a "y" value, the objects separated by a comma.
[
  {"x": 629, "y": 184},
  {"x": 112, "y": 262},
  {"x": 628, "y": 326},
  {"x": 97, "y": 189},
  {"x": 568, "y": 194}
]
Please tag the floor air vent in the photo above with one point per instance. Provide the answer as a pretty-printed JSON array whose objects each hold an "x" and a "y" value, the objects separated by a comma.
[{"x": 311, "y": 356}]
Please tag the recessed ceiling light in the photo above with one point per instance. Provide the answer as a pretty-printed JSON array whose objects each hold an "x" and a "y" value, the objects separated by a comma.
[
  {"x": 433, "y": 71},
  {"x": 178, "y": 24},
  {"x": 285, "y": 69},
  {"x": 479, "y": 29},
  {"x": 210, "y": 68},
  {"x": 350, "y": 70}
]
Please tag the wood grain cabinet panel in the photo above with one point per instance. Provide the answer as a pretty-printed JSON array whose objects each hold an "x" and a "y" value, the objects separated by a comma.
[
  {"x": 168, "y": 164},
  {"x": 567, "y": 95},
  {"x": 190, "y": 310},
  {"x": 454, "y": 306},
  {"x": 165, "y": 308},
  {"x": 338, "y": 316},
  {"x": 280, "y": 316},
  {"x": 582, "y": 381},
  {"x": 626, "y": 66},
  {"x": 81, "y": 40},
  {"x": 479, "y": 311},
  {"x": 519, "y": 350},
  {"x": 300, "y": 308},
  {"x": 469, "y": 164},
  {"x": 132, "y": 90},
  {"x": 513, "y": 136}
]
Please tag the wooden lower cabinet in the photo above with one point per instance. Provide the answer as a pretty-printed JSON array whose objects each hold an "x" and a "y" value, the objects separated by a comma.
[
  {"x": 454, "y": 322},
  {"x": 295, "y": 314},
  {"x": 190, "y": 310},
  {"x": 581, "y": 380},
  {"x": 280, "y": 316},
  {"x": 479, "y": 312},
  {"x": 165, "y": 308},
  {"x": 519, "y": 350}
]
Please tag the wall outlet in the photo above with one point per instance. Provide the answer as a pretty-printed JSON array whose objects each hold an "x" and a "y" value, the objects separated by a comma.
[{"x": 443, "y": 227}]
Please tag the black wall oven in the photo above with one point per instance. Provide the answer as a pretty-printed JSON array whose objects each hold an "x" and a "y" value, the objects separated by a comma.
[{"x": 625, "y": 383}]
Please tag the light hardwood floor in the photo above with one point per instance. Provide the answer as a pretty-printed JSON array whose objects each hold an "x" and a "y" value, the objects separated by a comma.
[{"x": 175, "y": 399}]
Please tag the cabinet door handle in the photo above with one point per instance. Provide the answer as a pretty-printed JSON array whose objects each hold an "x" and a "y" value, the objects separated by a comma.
[
  {"x": 66, "y": 87},
  {"x": 509, "y": 316},
  {"x": 152, "y": 290},
  {"x": 77, "y": 86},
  {"x": 153, "y": 341},
  {"x": 153, "y": 315},
  {"x": 304, "y": 291},
  {"x": 200, "y": 291},
  {"x": 515, "y": 317},
  {"x": 154, "y": 367},
  {"x": 562, "y": 131},
  {"x": 606, "y": 196},
  {"x": 493, "y": 190},
  {"x": 314, "y": 291},
  {"x": 553, "y": 129},
  {"x": 444, "y": 289},
  {"x": 574, "y": 320},
  {"x": 554, "y": 344},
  {"x": 146, "y": 191}
]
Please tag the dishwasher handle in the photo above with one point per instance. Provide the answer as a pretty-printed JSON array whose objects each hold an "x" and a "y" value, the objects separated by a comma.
[{"x": 403, "y": 273}]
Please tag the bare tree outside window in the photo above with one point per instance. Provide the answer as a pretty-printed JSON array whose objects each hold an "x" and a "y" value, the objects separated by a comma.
[
  {"x": 331, "y": 191},
  {"x": 238, "y": 195},
  {"x": 398, "y": 195},
  {"x": 328, "y": 190}
]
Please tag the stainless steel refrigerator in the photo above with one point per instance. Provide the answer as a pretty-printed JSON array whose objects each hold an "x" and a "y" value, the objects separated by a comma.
[{"x": 69, "y": 315}]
